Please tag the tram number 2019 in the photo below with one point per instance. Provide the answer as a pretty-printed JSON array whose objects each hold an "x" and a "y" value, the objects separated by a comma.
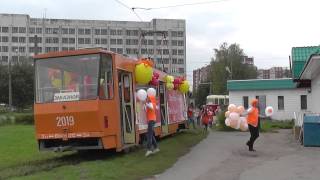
[{"x": 65, "y": 121}]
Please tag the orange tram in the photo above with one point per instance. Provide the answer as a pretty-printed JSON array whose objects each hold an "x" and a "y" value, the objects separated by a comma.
[{"x": 86, "y": 99}]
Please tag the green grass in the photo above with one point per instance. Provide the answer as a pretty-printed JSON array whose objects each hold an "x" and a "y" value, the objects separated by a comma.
[
  {"x": 272, "y": 126},
  {"x": 20, "y": 158}
]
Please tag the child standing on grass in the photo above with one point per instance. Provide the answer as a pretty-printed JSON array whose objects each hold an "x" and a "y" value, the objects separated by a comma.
[{"x": 206, "y": 117}]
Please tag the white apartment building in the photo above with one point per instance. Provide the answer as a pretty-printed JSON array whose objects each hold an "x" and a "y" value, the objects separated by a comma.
[{"x": 164, "y": 40}]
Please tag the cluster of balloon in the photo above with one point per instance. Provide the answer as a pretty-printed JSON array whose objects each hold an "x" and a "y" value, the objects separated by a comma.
[
  {"x": 143, "y": 71},
  {"x": 234, "y": 118},
  {"x": 169, "y": 82},
  {"x": 184, "y": 87},
  {"x": 142, "y": 94},
  {"x": 155, "y": 79},
  {"x": 176, "y": 82},
  {"x": 269, "y": 111}
]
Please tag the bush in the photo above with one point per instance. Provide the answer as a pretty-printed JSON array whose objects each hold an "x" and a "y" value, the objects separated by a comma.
[
  {"x": 16, "y": 118},
  {"x": 221, "y": 125}
]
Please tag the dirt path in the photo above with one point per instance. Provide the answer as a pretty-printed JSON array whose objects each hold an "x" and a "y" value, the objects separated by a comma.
[{"x": 224, "y": 156}]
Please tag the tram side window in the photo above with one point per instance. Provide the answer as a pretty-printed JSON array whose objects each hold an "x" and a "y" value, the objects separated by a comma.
[{"x": 106, "y": 78}]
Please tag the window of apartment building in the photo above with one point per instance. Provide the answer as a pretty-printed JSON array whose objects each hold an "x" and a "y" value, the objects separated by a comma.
[
  {"x": 48, "y": 31},
  {"x": 104, "y": 31},
  {"x": 180, "y": 33},
  {"x": 159, "y": 51},
  {"x": 4, "y": 58},
  {"x": 97, "y": 31},
  {"x": 174, "y": 42},
  {"x": 22, "y": 39},
  {"x": 180, "y": 52},
  {"x": 150, "y": 42},
  {"x": 65, "y": 40},
  {"x": 104, "y": 41},
  {"x": 87, "y": 40},
  {"x": 303, "y": 99},
  {"x": 65, "y": 31},
  {"x": 165, "y": 61},
  {"x": 181, "y": 70},
  {"x": 52, "y": 40},
  {"x": 180, "y": 61},
  {"x": 81, "y": 31},
  {"x": 132, "y": 32},
  {"x": 72, "y": 40},
  {"x": 245, "y": 100},
  {"x": 87, "y": 31},
  {"x": 55, "y": 48},
  {"x": 113, "y": 32},
  {"x": 119, "y": 32},
  {"x": 166, "y": 51},
  {"x": 14, "y": 39},
  {"x": 120, "y": 50},
  {"x": 119, "y": 41},
  {"x": 4, "y": 38},
  {"x": 165, "y": 69},
  {"x": 165, "y": 42},
  {"x": 55, "y": 31},
  {"x": 15, "y": 29},
  {"x": 5, "y": 29},
  {"x": 14, "y": 49},
  {"x": 113, "y": 49},
  {"x": 39, "y": 30},
  {"x": 72, "y": 30},
  {"x": 144, "y": 51},
  {"x": 135, "y": 51},
  {"x": 151, "y": 51},
  {"x": 71, "y": 48},
  {"x": 80, "y": 40},
  {"x": 113, "y": 41},
  {"x": 174, "y": 52},
  {"x": 32, "y": 49},
  {"x": 22, "y": 30},
  {"x": 64, "y": 49},
  {"x": 174, "y": 33},
  {"x": 280, "y": 102},
  {"x": 22, "y": 49},
  {"x": 180, "y": 43},
  {"x": 158, "y": 42},
  {"x": 5, "y": 49},
  {"x": 174, "y": 61},
  {"x": 144, "y": 42},
  {"x": 32, "y": 39},
  {"x": 97, "y": 41},
  {"x": 128, "y": 51},
  {"x": 32, "y": 30}
]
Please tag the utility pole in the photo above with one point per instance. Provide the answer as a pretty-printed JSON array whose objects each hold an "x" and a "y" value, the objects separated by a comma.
[
  {"x": 35, "y": 44},
  {"x": 9, "y": 84}
]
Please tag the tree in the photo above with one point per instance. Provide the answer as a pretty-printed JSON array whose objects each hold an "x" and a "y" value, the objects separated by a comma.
[
  {"x": 201, "y": 95},
  {"x": 227, "y": 65},
  {"x": 22, "y": 84}
]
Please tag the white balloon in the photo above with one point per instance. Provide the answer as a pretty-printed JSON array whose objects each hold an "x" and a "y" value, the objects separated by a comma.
[
  {"x": 151, "y": 92},
  {"x": 227, "y": 122},
  {"x": 234, "y": 116},
  {"x": 269, "y": 111},
  {"x": 142, "y": 95}
]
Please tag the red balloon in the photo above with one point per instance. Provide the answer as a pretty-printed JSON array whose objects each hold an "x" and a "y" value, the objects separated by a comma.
[{"x": 156, "y": 75}]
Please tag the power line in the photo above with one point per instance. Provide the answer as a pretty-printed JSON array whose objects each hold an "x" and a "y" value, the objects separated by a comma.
[
  {"x": 179, "y": 5},
  {"x": 131, "y": 9}
]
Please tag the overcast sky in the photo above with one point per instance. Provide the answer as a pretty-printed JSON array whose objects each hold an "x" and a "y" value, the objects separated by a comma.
[{"x": 265, "y": 29}]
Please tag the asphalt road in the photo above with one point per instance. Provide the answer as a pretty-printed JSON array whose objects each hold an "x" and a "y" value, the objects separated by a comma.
[{"x": 224, "y": 156}]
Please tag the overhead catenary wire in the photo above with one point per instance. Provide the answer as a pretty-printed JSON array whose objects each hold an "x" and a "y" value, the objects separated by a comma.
[
  {"x": 179, "y": 5},
  {"x": 131, "y": 9}
]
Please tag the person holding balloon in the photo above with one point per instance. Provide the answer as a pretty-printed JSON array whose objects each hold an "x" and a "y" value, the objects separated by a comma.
[
  {"x": 253, "y": 123},
  {"x": 151, "y": 117}
]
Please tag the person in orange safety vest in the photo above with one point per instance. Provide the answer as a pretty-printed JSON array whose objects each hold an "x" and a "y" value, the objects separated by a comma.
[
  {"x": 151, "y": 117},
  {"x": 253, "y": 123}
]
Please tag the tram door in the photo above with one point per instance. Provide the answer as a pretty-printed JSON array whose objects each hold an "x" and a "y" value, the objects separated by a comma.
[
  {"x": 163, "y": 109},
  {"x": 126, "y": 107}
]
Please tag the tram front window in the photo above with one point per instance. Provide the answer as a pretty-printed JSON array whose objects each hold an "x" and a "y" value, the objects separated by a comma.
[{"x": 67, "y": 78}]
